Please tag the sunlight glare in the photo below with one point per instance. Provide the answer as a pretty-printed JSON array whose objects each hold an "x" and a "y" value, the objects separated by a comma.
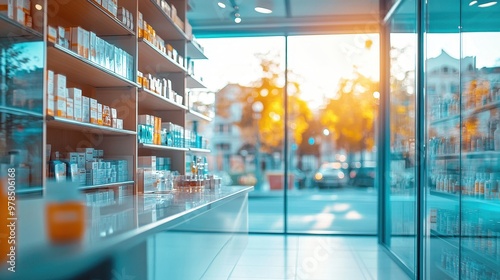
[
  {"x": 353, "y": 215},
  {"x": 341, "y": 207},
  {"x": 324, "y": 221}
]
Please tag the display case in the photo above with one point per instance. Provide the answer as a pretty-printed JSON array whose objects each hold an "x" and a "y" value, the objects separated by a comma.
[
  {"x": 462, "y": 133},
  {"x": 77, "y": 88}
]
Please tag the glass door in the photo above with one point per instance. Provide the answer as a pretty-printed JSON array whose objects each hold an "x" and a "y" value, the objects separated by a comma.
[
  {"x": 462, "y": 118},
  {"x": 480, "y": 149},
  {"x": 399, "y": 186}
]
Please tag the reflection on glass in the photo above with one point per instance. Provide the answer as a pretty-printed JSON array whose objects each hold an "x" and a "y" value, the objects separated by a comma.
[
  {"x": 21, "y": 106},
  {"x": 463, "y": 162},
  {"x": 400, "y": 188}
]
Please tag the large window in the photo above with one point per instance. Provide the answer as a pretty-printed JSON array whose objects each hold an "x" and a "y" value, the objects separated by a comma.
[{"x": 315, "y": 135}]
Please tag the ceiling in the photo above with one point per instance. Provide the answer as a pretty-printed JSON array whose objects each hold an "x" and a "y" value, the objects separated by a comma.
[{"x": 289, "y": 16}]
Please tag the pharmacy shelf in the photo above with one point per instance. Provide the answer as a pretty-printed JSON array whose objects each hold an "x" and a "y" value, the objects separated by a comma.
[
  {"x": 199, "y": 151},
  {"x": 469, "y": 113},
  {"x": 151, "y": 60},
  {"x": 66, "y": 124},
  {"x": 447, "y": 119},
  {"x": 480, "y": 109},
  {"x": 194, "y": 82},
  {"x": 467, "y": 199},
  {"x": 162, "y": 148},
  {"x": 151, "y": 100},
  {"x": 451, "y": 240},
  {"x": 110, "y": 185},
  {"x": 194, "y": 51},
  {"x": 81, "y": 70},
  {"x": 162, "y": 23},
  {"x": 92, "y": 17},
  {"x": 480, "y": 257},
  {"x": 476, "y": 254},
  {"x": 19, "y": 112},
  {"x": 446, "y": 272},
  {"x": 195, "y": 116},
  {"x": 10, "y": 28},
  {"x": 481, "y": 154}
]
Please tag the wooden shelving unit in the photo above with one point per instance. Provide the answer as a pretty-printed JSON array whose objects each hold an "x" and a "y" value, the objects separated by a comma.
[
  {"x": 157, "y": 102},
  {"x": 154, "y": 60},
  {"x": 109, "y": 88},
  {"x": 83, "y": 71},
  {"x": 66, "y": 124},
  {"x": 91, "y": 16}
]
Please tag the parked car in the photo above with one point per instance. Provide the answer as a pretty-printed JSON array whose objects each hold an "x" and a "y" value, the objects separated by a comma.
[
  {"x": 362, "y": 176},
  {"x": 330, "y": 175}
]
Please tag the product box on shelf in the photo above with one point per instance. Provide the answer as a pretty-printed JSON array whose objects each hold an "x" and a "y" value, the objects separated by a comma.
[
  {"x": 99, "y": 114},
  {"x": 113, "y": 113},
  {"x": 93, "y": 47},
  {"x": 19, "y": 14},
  {"x": 69, "y": 109},
  {"x": 50, "y": 104},
  {"x": 85, "y": 109},
  {"x": 62, "y": 38},
  {"x": 119, "y": 123},
  {"x": 76, "y": 95},
  {"x": 52, "y": 34},
  {"x": 146, "y": 180},
  {"x": 93, "y": 110},
  {"x": 166, "y": 8},
  {"x": 7, "y": 8},
  {"x": 106, "y": 115},
  {"x": 59, "y": 82},
  {"x": 147, "y": 162},
  {"x": 77, "y": 40},
  {"x": 89, "y": 153},
  {"x": 60, "y": 102}
]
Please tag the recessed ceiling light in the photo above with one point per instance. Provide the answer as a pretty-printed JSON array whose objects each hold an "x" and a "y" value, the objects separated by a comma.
[
  {"x": 487, "y": 4},
  {"x": 38, "y": 7},
  {"x": 264, "y": 6},
  {"x": 222, "y": 5},
  {"x": 472, "y": 3}
]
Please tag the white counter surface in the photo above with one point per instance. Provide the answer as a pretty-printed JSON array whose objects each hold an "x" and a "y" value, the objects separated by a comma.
[{"x": 110, "y": 229}]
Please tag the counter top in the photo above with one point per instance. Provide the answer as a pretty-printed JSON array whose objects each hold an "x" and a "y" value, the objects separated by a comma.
[{"x": 122, "y": 223}]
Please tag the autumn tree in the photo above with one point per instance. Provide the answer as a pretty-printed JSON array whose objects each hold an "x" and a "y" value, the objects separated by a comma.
[
  {"x": 269, "y": 91},
  {"x": 350, "y": 115},
  {"x": 402, "y": 98}
]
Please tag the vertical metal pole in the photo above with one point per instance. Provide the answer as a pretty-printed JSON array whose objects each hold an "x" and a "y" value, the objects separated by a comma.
[
  {"x": 384, "y": 135},
  {"x": 420, "y": 140},
  {"x": 286, "y": 148}
]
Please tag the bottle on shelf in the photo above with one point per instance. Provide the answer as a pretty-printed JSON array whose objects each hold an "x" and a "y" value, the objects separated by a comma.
[
  {"x": 57, "y": 168},
  {"x": 496, "y": 137}
]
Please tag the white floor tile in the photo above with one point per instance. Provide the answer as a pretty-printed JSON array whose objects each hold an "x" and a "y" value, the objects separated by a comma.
[
  {"x": 309, "y": 258},
  {"x": 264, "y": 272}
]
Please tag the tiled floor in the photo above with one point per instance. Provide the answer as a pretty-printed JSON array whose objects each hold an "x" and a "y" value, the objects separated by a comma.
[{"x": 308, "y": 257}]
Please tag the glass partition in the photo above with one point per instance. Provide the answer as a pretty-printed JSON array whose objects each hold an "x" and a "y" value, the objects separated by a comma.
[
  {"x": 400, "y": 189},
  {"x": 22, "y": 63},
  {"x": 462, "y": 111}
]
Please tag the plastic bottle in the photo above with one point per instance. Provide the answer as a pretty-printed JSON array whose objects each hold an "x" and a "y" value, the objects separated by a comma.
[
  {"x": 65, "y": 213},
  {"x": 496, "y": 137},
  {"x": 4, "y": 215}
]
